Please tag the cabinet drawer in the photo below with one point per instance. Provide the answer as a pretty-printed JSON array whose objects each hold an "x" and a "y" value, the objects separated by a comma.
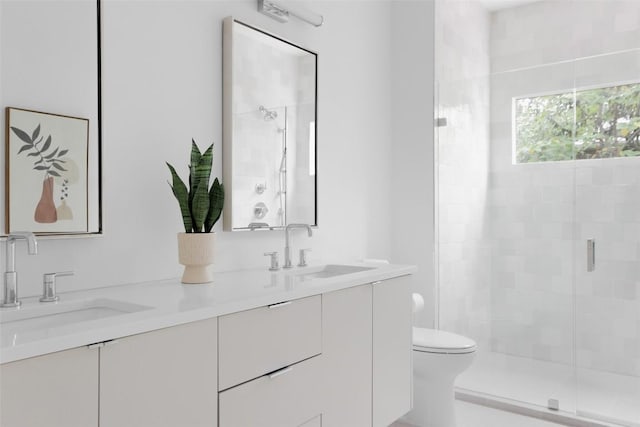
[
  {"x": 286, "y": 398},
  {"x": 315, "y": 422},
  {"x": 255, "y": 342}
]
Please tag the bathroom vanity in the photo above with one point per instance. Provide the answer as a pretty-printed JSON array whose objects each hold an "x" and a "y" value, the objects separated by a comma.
[{"x": 321, "y": 346}]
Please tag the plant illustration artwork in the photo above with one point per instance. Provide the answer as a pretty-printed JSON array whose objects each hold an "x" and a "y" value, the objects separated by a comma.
[{"x": 47, "y": 158}]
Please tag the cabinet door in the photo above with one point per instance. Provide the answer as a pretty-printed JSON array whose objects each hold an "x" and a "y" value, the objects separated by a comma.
[
  {"x": 54, "y": 390},
  {"x": 346, "y": 353},
  {"x": 255, "y": 342},
  {"x": 392, "y": 346},
  {"x": 164, "y": 378},
  {"x": 286, "y": 398}
]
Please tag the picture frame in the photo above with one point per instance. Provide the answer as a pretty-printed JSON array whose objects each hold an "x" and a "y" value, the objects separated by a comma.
[{"x": 46, "y": 172}]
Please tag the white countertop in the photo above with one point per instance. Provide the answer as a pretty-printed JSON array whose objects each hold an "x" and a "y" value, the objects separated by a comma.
[{"x": 171, "y": 303}]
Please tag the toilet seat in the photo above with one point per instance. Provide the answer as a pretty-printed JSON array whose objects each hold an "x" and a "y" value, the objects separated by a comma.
[{"x": 435, "y": 341}]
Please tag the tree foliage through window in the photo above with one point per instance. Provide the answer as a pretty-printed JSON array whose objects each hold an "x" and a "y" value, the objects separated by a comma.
[{"x": 585, "y": 124}]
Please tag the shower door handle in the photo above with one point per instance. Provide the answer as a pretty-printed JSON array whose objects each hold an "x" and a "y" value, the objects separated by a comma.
[{"x": 591, "y": 255}]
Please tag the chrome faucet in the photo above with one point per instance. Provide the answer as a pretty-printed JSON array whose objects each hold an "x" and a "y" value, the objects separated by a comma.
[
  {"x": 11, "y": 276},
  {"x": 287, "y": 248}
]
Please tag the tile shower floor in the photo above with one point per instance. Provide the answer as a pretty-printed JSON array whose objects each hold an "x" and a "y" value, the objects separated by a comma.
[{"x": 600, "y": 395}]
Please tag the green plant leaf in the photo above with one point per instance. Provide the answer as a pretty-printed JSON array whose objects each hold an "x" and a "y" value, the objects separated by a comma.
[
  {"x": 181, "y": 194},
  {"x": 54, "y": 173},
  {"x": 203, "y": 168},
  {"x": 195, "y": 153},
  {"x": 199, "y": 172},
  {"x": 57, "y": 166},
  {"x": 63, "y": 152},
  {"x": 41, "y": 168},
  {"x": 22, "y": 135},
  {"x": 195, "y": 160},
  {"x": 200, "y": 206},
  {"x": 216, "y": 204},
  {"x": 32, "y": 154},
  {"x": 35, "y": 133},
  {"x": 46, "y": 145}
]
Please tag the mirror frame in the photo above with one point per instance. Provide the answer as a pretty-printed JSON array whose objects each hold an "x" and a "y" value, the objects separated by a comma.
[
  {"x": 100, "y": 231},
  {"x": 227, "y": 121}
]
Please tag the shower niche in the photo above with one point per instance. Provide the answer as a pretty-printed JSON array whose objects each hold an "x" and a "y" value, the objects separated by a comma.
[{"x": 269, "y": 130}]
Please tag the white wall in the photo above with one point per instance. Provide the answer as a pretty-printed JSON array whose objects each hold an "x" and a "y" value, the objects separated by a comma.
[
  {"x": 162, "y": 86},
  {"x": 411, "y": 152}
]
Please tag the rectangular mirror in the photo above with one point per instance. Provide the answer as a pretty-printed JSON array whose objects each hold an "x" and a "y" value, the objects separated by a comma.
[
  {"x": 49, "y": 78},
  {"x": 269, "y": 130}
]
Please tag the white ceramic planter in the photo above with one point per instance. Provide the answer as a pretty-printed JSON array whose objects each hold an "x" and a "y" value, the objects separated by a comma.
[{"x": 195, "y": 252}]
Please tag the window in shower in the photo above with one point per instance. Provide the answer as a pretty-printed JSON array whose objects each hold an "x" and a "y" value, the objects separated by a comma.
[{"x": 582, "y": 124}]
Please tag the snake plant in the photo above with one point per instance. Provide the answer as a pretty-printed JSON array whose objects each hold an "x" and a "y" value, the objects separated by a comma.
[{"x": 200, "y": 205}]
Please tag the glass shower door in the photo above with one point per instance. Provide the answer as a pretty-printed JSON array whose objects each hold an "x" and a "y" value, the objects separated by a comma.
[
  {"x": 506, "y": 237},
  {"x": 608, "y": 213}
]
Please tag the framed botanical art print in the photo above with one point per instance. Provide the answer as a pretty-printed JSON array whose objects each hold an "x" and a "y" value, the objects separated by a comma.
[{"x": 46, "y": 172}]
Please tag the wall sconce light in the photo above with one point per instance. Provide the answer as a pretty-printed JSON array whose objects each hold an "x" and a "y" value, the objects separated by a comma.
[{"x": 281, "y": 10}]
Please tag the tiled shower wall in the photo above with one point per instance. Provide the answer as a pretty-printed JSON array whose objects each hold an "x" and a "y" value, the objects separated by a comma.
[
  {"x": 462, "y": 70},
  {"x": 290, "y": 92},
  {"x": 542, "y": 214}
]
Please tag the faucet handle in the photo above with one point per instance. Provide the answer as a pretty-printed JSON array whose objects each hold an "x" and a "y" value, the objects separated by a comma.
[
  {"x": 49, "y": 285},
  {"x": 303, "y": 257},
  {"x": 274, "y": 261}
]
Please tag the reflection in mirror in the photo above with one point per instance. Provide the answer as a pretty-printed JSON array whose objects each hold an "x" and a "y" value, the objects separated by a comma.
[
  {"x": 51, "y": 64},
  {"x": 269, "y": 130}
]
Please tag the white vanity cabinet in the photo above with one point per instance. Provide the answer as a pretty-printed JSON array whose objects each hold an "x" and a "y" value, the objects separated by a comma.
[
  {"x": 341, "y": 357},
  {"x": 270, "y": 365},
  {"x": 289, "y": 397},
  {"x": 161, "y": 378},
  {"x": 262, "y": 340},
  {"x": 367, "y": 344},
  {"x": 347, "y": 357},
  {"x": 164, "y": 378},
  {"x": 54, "y": 390},
  {"x": 392, "y": 347}
]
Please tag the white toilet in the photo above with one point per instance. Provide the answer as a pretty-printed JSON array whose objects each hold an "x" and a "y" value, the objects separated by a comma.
[{"x": 438, "y": 358}]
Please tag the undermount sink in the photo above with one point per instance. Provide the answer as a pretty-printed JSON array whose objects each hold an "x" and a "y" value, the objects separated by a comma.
[
  {"x": 48, "y": 316},
  {"x": 330, "y": 270}
]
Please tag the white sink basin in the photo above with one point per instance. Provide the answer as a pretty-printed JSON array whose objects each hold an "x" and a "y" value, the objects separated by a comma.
[
  {"x": 53, "y": 315},
  {"x": 330, "y": 270}
]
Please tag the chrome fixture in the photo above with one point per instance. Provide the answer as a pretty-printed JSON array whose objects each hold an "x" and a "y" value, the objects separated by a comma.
[
  {"x": 49, "y": 285},
  {"x": 287, "y": 248},
  {"x": 255, "y": 225},
  {"x": 11, "y": 276},
  {"x": 275, "y": 266},
  {"x": 260, "y": 188},
  {"x": 260, "y": 210},
  {"x": 281, "y": 10},
  {"x": 591, "y": 255},
  {"x": 268, "y": 114},
  {"x": 440, "y": 122},
  {"x": 303, "y": 257}
]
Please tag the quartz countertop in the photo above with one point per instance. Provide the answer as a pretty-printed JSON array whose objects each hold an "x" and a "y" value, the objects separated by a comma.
[{"x": 169, "y": 303}]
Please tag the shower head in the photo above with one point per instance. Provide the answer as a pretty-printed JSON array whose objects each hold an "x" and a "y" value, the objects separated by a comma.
[{"x": 268, "y": 114}]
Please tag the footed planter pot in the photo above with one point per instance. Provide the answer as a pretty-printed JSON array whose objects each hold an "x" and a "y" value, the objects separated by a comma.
[{"x": 195, "y": 252}]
